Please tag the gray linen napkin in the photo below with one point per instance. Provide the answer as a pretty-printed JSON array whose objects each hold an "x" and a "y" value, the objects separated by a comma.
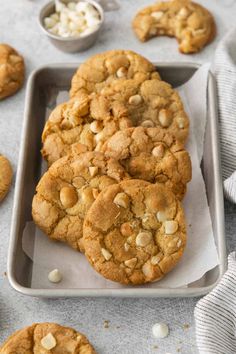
[
  {"x": 215, "y": 315},
  {"x": 224, "y": 68}
]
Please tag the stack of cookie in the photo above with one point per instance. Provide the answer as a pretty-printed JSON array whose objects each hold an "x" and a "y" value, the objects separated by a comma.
[{"x": 117, "y": 169}]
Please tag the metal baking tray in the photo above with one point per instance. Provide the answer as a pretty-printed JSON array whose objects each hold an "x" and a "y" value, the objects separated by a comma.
[{"x": 57, "y": 77}]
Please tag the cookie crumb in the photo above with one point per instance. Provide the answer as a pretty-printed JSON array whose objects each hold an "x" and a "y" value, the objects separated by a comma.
[
  {"x": 5, "y": 274},
  {"x": 186, "y": 326},
  {"x": 106, "y": 324},
  {"x": 155, "y": 347}
]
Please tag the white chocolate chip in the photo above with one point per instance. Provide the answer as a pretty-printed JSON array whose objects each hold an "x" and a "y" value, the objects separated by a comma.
[
  {"x": 96, "y": 126},
  {"x": 135, "y": 100},
  {"x": 79, "y": 338},
  {"x": 183, "y": 13},
  {"x": 121, "y": 72},
  {"x": 158, "y": 151},
  {"x": 121, "y": 199},
  {"x": 199, "y": 31},
  {"x": 161, "y": 216},
  {"x": 129, "y": 239},
  {"x": 155, "y": 260},
  {"x": 99, "y": 137},
  {"x": 126, "y": 247},
  {"x": 147, "y": 124},
  {"x": 131, "y": 263},
  {"x": 181, "y": 122},
  {"x": 143, "y": 239},
  {"x": 48, "y": 342},
  {"x": 106, "y": 254},
  {"x": 55, "y": 276},
  {"x": 147, "y": 269},
  {"x": 171, "y": 226},
  {"x": 179, "y": 243},
  {"x": 160, "y": 330},
  {"x": 93, "y": 170},
  {"x": 157, "y": 15},
  {"x": 165, "y": 117},
  {"x": 95, "y": 192}
]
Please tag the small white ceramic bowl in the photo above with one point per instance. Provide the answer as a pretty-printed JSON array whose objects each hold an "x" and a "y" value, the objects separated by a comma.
[{"x": 70, "y": 44}]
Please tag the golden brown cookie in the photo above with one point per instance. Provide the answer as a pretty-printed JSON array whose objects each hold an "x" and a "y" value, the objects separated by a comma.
[
  {"x": 151, "y": 103},
  {"x": 191, "y": 24},
  {"x": 5, "y": 176},
  {"x": 12, "y": 70},
  {"x": 152, "y": 155},
  {"x": 101, "y": 69},
  {"x": 42, "y": 338},
  {"x": 81, "y": 124},
  {"x": 68, "y": 189},
  {"x": 134, "y": 232}
]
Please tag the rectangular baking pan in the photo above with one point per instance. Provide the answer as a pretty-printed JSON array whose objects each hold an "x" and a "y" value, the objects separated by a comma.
[{"x": 57, "y": 77}]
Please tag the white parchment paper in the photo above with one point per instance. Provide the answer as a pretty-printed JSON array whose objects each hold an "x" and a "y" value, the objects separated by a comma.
[{"x": 200, "y": 255}]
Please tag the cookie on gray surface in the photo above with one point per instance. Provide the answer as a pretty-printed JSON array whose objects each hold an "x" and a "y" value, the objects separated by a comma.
[
  {"x": 5, "y": 176},
  {"x": 191, "y": 24},
  {"x": 12, "y": 70},
  {"x": 42, "y": 338}
]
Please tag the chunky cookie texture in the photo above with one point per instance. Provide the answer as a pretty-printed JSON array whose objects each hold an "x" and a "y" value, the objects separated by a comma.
[
  {"x": 67, "y": 190},
  {"x": 191, "y": 24},
  {"x": 153, "y": 155},
  {"x": 42, "y": 338},
  {"x": 134, "y": 232},
  {"x": 12, "y": 70},
  {"x": 82, "y": 124},
  {"x": 5, "y": 176},
  {"x": 151, "y": 103},
  {"x": 102, "y": 69}
]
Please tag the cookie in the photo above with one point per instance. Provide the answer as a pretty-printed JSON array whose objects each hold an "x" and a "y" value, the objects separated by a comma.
[
  {"x": 67, "y": 190},
  {"x": 12, "y": 71},
  {"x": 5, "y": 176},
  {"x": 82, "y": 124},
  {"x": 152, "y": 155},
  {"x": 101, "y": 69},
  {"x": 134, "y": 232},
  {"x": 151, "y": 103},
  {"x": 40, "y": 338},
  {"x": 191, "y": 24}
]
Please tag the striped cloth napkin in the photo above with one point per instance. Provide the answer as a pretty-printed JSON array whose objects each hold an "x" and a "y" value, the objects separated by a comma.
[
  {"x": 215, "y": 314},
  {"x": 224, "y": 68}
]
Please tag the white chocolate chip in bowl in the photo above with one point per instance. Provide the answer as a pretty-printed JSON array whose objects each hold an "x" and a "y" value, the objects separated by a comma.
[
  {"x": 48, "y": 342},
  {"x": 171, "y": 226},
  {"x": 80, "y": 28}
]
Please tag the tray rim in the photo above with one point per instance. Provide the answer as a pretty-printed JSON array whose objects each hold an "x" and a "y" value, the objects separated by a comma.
[{"x": 131, "y": 292}]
